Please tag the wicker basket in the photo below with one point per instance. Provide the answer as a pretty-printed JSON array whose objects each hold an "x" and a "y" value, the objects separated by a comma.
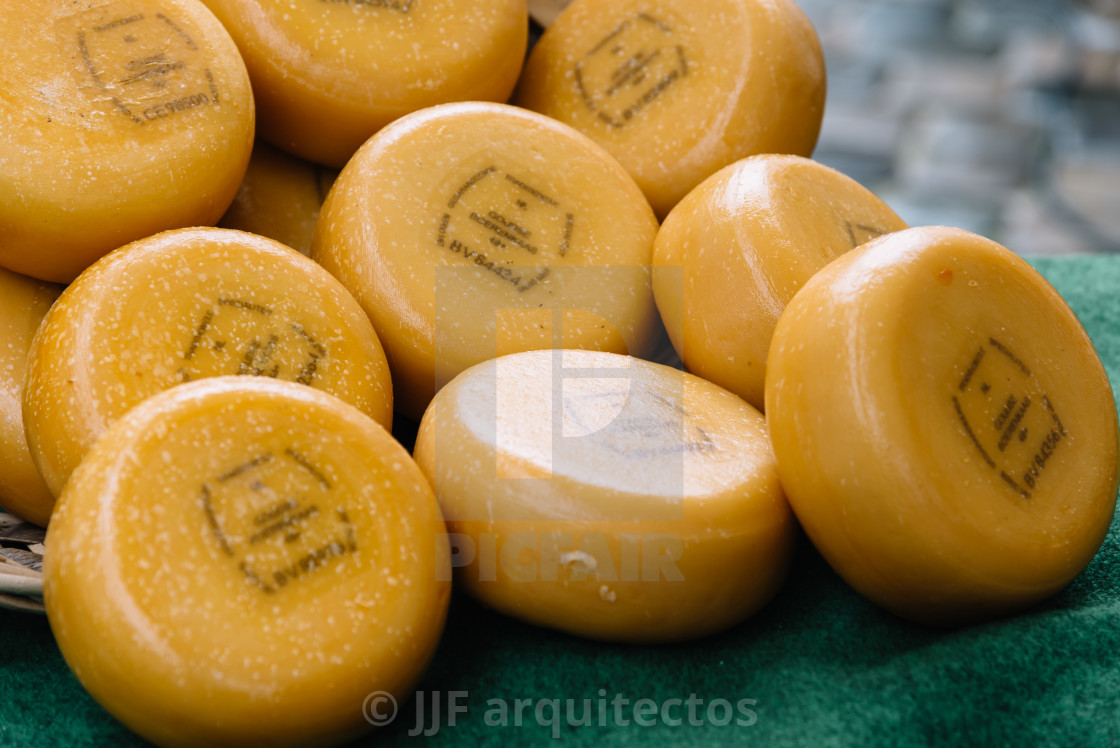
[{"x": 21, "y": 563}]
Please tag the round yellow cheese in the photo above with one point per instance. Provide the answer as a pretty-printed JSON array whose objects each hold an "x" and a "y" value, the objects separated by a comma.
[
  {"x": 184, "y": 305},
  {"x": 472, "y": 230},
  {"x": 676, "y": 89},
  {"x": 944, "y": 429},
  {"x": 607, "y": 496},
  {"x": 732, "y": 254},
  {"x": 23, "y": 303},
  {"x": 327, "y": 74},
  {"x": 243, "y": 561},
  {"x": 280, "y": 197},
  {"x": 122, "y": 118}
]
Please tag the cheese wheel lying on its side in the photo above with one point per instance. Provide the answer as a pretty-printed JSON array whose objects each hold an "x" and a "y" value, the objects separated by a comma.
[
  {"x": 279, "y": 198},
  {"x": 472, "y": 230},
  {"x": 185, "y": 305},
  {"x": 244, "y": 561},
  {"x": 676, "y": 89},
  {"x": 945, "y": 432},
  {"x": 23, "y": 303},
  {"x": 732, "y": 254},
  {"x": 122, "y": 118},
  {"x": 329, "y": 74},
  {"x": 607, "y": 496}
]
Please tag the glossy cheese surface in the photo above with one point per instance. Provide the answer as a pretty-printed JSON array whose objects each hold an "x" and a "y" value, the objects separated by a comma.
[
  {"x": 472, "y": 230},
  {"x": 185, "y": 305},
  {"x": 122, "y": 118},
  {"x": 279, "y": 197},
  {"x": 23, "y": 303},
  {"x": 241, "y": 561},
  {"x": 676, "y": 89},
  {"x": 732, "y": 254},
  {"x": 607, "y": 496},
  {"x": 327, "y": 75},
  {"x": 944, "y": 429}
]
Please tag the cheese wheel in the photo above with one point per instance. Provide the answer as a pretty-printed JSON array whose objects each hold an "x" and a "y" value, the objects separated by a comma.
[
  {"x": 23, "y": 303},
  {"x": 472, "y": 230},
  {"x": 607, "y": 496},
  {"x": 676, "y": 89},
  {"x": 122, "y": 118},
  {"x": 244, "y": 561},
  {"x": 732, "y": 254},
  {"x": 184, "y": 305},
  {"x": 328, "y": 74},
  {"x": 279, "y": 197},
  {"x": 944, "y": 429}
]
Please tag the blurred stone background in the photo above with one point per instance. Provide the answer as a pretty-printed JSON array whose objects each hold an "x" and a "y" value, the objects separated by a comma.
[{"x": 998, "y": 116}]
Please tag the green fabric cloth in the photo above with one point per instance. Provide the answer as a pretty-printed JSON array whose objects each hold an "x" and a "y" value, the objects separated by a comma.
[{"x": 823, "y": 666}]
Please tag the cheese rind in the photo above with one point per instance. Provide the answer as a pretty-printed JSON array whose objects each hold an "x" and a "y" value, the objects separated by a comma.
[
  {"x": 123, "y": 118},
  {"x": 607, "y": 496},
  {"x": 472, "y": 230},
  {"x": 945, "y": 432},
  {"x": 732, "y": 254},
  {"x": 676, "y": 90},
  {"x": 23, "y": 304},
  {"x": 327, "y": 75},
  {"x": 244, "y": 561},
  {"x": 185, "y": 305}
]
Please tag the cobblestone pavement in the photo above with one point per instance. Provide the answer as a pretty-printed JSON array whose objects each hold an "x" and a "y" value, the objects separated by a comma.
[{"x": 999, "y": 116}]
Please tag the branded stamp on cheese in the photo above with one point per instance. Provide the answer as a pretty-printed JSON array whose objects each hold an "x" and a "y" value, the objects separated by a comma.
[
  {"x": 125, "y": 118},
  {"x": 677, "y": 90},
  {"x": 472, "y": 230},
  {"x": 328, "y": 74},
  {"x": 242, "y": 560},
  {"x": 23, "y": 303},
  {"x": 280, "y": 197},
  {"x": 944, "y": 429},
  {"x": 732, "y": 254},
  {"x": 185, "y": 305},
  {"x": 606, "y": 496}
]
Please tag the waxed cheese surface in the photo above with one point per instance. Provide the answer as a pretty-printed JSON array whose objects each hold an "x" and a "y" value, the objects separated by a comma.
[
  {"x": 472, "y": 230},
  {"x": 242, "y": 561},
  {"x": 676, "y": 90},
  {"x": 607, "y": 496},
  {"x": 123, "y": 118},
  {"x": 23, "y": 303},
  {"x": 327, "y": 75},
  {"x": 732, "y": 254},
  {"x": 184, "y": 305},
  {"x": 279, "y": 197},
  {"x": 944, "y": 429}
]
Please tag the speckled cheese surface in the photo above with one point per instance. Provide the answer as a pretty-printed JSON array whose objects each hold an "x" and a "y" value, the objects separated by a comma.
[
  {"x": 677, "y": 89},
  {"x": 185, "y": 305},
  {"x": 327, "y": 74},
  {"x": 732, "y": 254},
  {"x": 23, "y": 303},
  {"x": 944, "y": 429},
  {"x": 607, "y": 496},
  {"x": 122, "y": 118},
  {"x": 473, "y": 230},
  {"x": 242, "y": 561}
]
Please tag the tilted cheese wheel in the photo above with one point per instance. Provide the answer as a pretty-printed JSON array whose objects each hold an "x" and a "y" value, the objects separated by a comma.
[
  {"x": 676, "y": 89},
  {"x": 23, "y": 303},
  {"x": 244, "y": 561},
  {"x": 122, "y": 118},
  {"x": 279, "y": 198},
  {"x": 944, "y": 429},
  {"x": 184, "y": 305},
  {"x": 327, "y": 75},
  {"x": 607, "y": 496},
  {"x": 472, "y": 230},
  {"x": 732, "y": 254}
]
